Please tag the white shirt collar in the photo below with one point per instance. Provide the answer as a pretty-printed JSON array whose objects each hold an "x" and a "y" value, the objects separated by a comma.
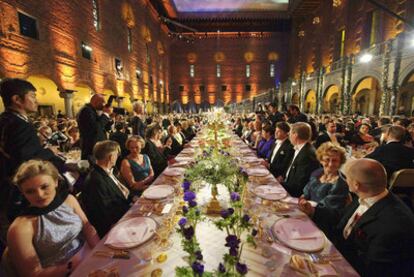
[
  {"x": 370, "y": 201},
  {"x": 299, "y": 147}
]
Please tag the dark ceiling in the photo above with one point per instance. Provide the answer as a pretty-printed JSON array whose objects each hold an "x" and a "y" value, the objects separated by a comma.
[{"x": 240, "y": 16}]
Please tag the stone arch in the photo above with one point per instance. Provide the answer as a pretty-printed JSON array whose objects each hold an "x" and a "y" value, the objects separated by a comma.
[
  {"x": 356, "y": 79},
  {"x": 366, "y": 96},
  {"x": 405, "y": 98},
  {"x": 331, "y": 99},
  {"x": 406, "y": 73},
  {"x": 47, "y": 95},
  {"x": 310, "y": 101}
]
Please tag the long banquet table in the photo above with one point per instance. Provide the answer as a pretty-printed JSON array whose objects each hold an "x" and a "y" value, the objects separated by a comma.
[{"x": 268, "y": 259}]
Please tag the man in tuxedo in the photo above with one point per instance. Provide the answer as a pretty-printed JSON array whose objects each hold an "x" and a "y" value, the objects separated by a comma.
[
  {"x": 304, "y": 160},
  {"x": 295, "y": 115},
  {"x": 18, "y": 140},
  {"x": 281, "y": 152},
  {"x": 375, "y": 233},
  {"x": 274, "y": 115},
  {"x": 328, "y": 135},
  {"x": 394, "y": 155},
  {"x": 93, "y": 121},
  {"x": 104, "y": 197},
  {"x": 137, "y": 123}
]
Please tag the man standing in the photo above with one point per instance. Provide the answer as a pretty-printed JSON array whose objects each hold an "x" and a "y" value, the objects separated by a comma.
[
  {"x": 295, "y": 115},
  {"x": 274, "y": 115},
  {"x": 375, "y": 233},
  {"x": 304, "y": 159},
  {"x": 137, "y": 123},
  {"x": 18, "y": 139},
  {"x": 93, "y": 121}
]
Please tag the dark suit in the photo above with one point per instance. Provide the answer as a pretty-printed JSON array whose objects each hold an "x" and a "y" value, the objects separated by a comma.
[
  {"x": 92, "y": 129},
  {"x": 300, "y": 171},
  {"x": 275, "y": 118},
  {"x": 301, "y": 117},
  {"x": 18, "y": 143},
  {"x": 324, "y": 137},
  {"x": 121, "y": 138},
  {"x": 176, "y": 147},
  {"x": 381, "y": 242},
  {"x": 158, "y": 159},
  {"x": 102, "y": 200},
  {"x": 138, "y": 127},
  {"x": 393, "y": 156},
  {"x": 282, "y": 159}
]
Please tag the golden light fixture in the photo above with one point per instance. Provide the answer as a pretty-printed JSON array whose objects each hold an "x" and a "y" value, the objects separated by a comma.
[
  {"x": 316, "y": 20},
  {"x": 336, "y": 3},
  {"x": 249, "y": 57},
  {"x": 301, "y": 34},
  {"x": 219, "y": 57},
  {"x": 191, "y": 57}
]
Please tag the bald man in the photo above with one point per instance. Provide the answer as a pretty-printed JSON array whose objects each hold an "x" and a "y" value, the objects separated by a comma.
[
  {"x": 94, "y": 121},
  {"x": 375, "y": 233}
]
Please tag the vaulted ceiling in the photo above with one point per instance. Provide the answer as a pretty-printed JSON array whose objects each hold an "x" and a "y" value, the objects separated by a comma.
[{"x": 232, "y": 15}]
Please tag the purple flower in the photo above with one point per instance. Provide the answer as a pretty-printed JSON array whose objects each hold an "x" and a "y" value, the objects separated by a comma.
[
  {"x": 246, "y": 218},
  {"x": 231, "y": 211},
  {"x": 241, "y": 268},
  {"x": 198, "y": 255},
  {"x": 235, "y": 196},
  {"x": 233, "y": 251},
  {"x": 188, "y": 232},
  {"x": 186, "y": 185},
  {"x": 221, "y": 268},
  {"x": 198, "y": 268},
  {"x": 232, "y": 241},
  {"x": 182, "y": 221},
  {"x": 189, "y": 195},
  {"x": 254, "y": 232},
  {"x": 192, "y": 203},
  {"x": 185, "y": 210},
  {"x": 224, "y": 213}
]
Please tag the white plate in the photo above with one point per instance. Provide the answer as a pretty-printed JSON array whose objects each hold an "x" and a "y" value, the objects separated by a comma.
[
  {"x": 270, "y": 192},
  {"x": 180, "y": 164},
  {"x": 299, "y": 234},
  {"x": 158, "y": 192},
  {"x": 131, "y": 233},
  {"x": 257, "y": 171},
  {"x": 183, "y": 159},
  {"x": 173, "y": 171}
]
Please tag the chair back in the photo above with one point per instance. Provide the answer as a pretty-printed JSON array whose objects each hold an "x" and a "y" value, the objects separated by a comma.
[{"x": 403, "y": 178}]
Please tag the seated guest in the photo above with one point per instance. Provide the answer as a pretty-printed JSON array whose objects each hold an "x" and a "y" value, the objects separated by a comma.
[
  {"x": 187, "y": 130},
  {"x": 176, "y": 146},
  {"x": 281, "y": 152},
  {"x": 153, "y": 148},
  {"x": 362, "y": 137},
  {"x": 325, "y": 186},
  {"x": 136, "y": 168},
  {"x": 73, "y": 133},
  {"x": 248, "y": 132},
  {"x": 328, "y": 135},
  {"x": 104, "y": 197},
  {"x": 48, "y": 238},
  {"x": 304, "y": 161},
  {"x": 394, "y": 155},
  {"x": 375, "y": 233},
  {"x": 265, "y": 144},
  {"x": 44, "y": 133},
  {"x": 238, "y": 127},
  {"x": 257, "y": 133}
]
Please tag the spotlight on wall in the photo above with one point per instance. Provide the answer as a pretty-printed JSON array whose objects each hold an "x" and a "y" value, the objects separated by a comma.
[
  {"x": 294, "y": 83},
  {"x": 366, "y": 58}
]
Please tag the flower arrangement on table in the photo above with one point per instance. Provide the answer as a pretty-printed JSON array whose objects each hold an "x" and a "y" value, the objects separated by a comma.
[{"x": 187, "y": 228}]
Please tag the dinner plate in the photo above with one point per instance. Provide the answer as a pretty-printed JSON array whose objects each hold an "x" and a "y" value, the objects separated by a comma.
[
  {"x": 180, "y": 164},
  {"x": 270, "y": 192},
  {"x": 182, "y": 159},
  {"x": 257, "y": 171},
  {"x": 158, "y": 192},
  {"x": 131, "y": 233},
  {"x": 173, "y": 171},
  {"x": 299, "y": 234}
]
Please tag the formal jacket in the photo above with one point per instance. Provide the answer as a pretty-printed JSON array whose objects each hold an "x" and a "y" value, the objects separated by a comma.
[
  {"x": 18, "y": 143},
  {"x": 324, "y": 137},
  {"x": 282, "y": 159},
  {"x": 158, "y": 159},
  {"x": 275, "y": 118},
  {"x": 102, "y": 200},
  {"x": 92, "y": 128},
  {"x": 176, "y": 147},
  {"x": 300, "y": 171},
  {"x": 381, "y": 242},
  {"x": 301, "y": 117},
  {"x": 393, "y": 156},
  {"x": 121, "y": 138},
  {"x": 138, "y": 127}
]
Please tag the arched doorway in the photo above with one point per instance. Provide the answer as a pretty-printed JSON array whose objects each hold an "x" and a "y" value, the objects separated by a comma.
[
  {"x": 366, "y": 97},
  {"x": 81, "y": 96},
  {"x": 310, "y": 102},
  {"x": 295, "y": 99},
  {"x": 47, "y": 96},
  {"x": 406, "y": 96},
  {"x": 331, "y": 100}
]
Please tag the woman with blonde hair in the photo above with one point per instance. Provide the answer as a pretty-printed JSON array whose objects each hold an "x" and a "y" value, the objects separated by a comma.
[
  {"x": 136, "y": 168},
  {"x": 326, "y": 187},
  {"x": 49, "y": 237}
]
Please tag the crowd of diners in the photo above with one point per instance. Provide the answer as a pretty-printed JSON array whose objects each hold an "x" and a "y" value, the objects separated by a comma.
[{"x": 48, "y": 223}]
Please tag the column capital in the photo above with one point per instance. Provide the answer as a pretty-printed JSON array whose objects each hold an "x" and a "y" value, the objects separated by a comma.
[{"x": 66, "y": 93}]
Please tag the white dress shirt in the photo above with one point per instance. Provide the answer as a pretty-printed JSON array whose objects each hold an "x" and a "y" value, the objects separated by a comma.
[
  {"x": 364, "y": 205},
  {"x": 124, "y": 190},
  {"x": 277, "y": 147}
]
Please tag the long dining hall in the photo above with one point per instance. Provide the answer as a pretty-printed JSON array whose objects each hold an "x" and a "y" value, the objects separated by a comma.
[{"x": 161, "y": 138}]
